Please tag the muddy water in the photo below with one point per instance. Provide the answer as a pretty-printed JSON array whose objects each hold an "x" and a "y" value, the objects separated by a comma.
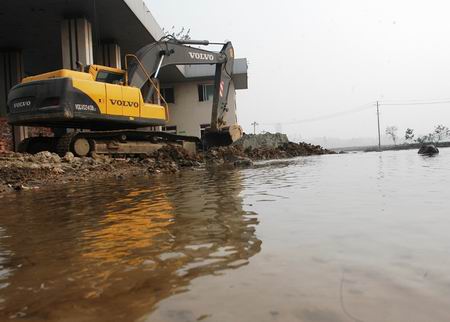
[{"x": 359, "y": 237}]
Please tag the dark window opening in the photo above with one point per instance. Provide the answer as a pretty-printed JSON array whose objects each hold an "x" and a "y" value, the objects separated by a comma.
[
  {"x": 205, "y": 93},
  {"x": 169, "y": 94}
]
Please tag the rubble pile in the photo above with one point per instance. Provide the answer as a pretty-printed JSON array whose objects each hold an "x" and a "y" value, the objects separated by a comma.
[
  {"x": 275, "y": 146},
  {"x": 171, "y": 158},
  {"x": 284, "y": 151},
  {"x": 267, "y": 140},
  {"x": 234, "y": 155},
  {"x": 288, "y": 150},
  {"x": 25, "y": 171}
]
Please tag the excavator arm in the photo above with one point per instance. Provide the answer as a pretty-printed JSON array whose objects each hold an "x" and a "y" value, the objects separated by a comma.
[{"x": 150, "y": 59}]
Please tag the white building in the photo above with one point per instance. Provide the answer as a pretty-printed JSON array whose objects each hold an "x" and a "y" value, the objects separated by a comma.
[{"x": 190, "y": 101}]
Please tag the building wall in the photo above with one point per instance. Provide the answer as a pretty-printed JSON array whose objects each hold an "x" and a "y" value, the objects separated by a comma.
[{"x": 188, "y": 113}]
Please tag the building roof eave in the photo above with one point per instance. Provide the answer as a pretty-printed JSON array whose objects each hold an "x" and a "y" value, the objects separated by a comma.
[{"x": 207, "y": 72}]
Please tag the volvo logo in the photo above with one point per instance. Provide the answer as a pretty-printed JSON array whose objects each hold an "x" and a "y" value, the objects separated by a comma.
[
  {"x": 22, "y": 104},
  {"x": 124, "y": 103},
  {"x": 201, "y": 56}
]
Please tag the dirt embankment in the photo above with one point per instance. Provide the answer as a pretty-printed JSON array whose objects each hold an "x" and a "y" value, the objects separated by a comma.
[{"x": 23, "y": 171}]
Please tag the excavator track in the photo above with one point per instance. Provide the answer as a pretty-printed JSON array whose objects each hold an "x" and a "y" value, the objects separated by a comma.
[{"x": 120, "y": 143}]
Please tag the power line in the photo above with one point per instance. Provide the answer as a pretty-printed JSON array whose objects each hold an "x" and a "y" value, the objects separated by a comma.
[
  {"x": 416, "y": 100},
  {"x": 414, "y": 103},
  {"x": 327, "y": 116},
  {"x": 363, "y": 108}
]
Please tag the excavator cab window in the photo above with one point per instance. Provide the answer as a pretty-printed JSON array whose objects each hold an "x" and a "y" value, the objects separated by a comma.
[{"x": 110, "y": 77}]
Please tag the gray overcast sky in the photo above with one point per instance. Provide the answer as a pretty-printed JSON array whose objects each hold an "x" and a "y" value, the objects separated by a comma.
[{"x": 318, "y": 57}]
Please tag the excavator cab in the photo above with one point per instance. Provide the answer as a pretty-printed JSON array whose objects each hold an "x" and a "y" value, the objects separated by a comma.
[{"x": 107, "y": 75}]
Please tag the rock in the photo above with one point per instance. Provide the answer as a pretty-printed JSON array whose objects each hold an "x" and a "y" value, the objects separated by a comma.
[
  {"x": 428, "y": 149},
  {"x": 148, "y": 161},
  {"x": 34, "y": 166},
  {"x": 100, "y": 158},
  {"x": 22, "y": 187},
  {"x": 69, "y": 157},
  {"x": 243, "y": 162},
  {"x": 45, "y": 156},
  {"x": 88, "y": 161},
  {"x": 96, "y": 156},
  {"x": 77, "y": 160},
  {"x": 46, "y": 166},
  {"x": 42, "y": 156},
  {"x": 55, "y": 158},
  {"x": 58, "y": 171}
]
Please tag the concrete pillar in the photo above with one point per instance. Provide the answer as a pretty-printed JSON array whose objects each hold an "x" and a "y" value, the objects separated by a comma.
[
  {"x": 109, "y": 54},
  {"x": 76, "y": 40},
  {"x": 11, "y": 73}
]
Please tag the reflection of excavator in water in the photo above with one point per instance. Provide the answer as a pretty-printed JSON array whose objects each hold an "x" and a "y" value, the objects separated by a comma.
[{"x": 112, "y": 103}]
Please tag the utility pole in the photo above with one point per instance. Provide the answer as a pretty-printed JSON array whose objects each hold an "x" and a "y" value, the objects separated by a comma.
[
  {"x": 379, "y": 131},
  {"x": 254, "y": 127}
]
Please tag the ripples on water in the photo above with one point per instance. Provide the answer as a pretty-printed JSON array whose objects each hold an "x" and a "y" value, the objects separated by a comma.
[{"x": 359, "y": 237}]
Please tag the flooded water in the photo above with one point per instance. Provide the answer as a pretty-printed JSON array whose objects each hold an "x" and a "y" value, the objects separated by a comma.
[{"x": 357, "y": 237}]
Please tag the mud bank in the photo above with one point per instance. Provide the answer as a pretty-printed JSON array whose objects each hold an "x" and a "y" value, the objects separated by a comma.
[{"x": 24, "y": 172}]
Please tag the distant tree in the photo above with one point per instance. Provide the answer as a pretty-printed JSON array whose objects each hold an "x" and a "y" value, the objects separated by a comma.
[
  {"x": 421, "y": 139},
  {"x": 426, "y": 139},
  {"x": 183, "y": 34},
  {"x": 409, "y": 135},
  {"x": 440, "y": 133},
  {"x": 392, "y": 132}
]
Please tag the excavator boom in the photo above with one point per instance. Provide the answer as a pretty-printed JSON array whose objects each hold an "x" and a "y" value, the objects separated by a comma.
[{"x": 150, "y": 59}]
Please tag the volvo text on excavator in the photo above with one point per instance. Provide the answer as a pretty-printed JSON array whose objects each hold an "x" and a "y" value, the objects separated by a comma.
[{"x": 109, "y": 107}]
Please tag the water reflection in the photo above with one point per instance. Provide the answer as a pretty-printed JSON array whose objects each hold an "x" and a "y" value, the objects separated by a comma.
[{"x": 109, "y": 250}]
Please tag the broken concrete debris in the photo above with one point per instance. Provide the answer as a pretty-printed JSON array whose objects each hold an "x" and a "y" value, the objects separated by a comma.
[{"x": 25, "y": 171}]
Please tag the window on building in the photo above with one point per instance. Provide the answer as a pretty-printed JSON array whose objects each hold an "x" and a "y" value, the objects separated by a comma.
[
  {"x": 205, "y": 92},
  {"x": 203, "y": 128},
  {"x": 169, "y": 94},
  {"x": 170, "y": 129}
]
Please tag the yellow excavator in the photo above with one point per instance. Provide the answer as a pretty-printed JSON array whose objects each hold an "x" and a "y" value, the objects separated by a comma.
[{"x": 106, "y": 106}]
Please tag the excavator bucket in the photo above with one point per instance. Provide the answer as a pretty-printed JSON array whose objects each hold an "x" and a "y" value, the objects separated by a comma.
[{"x": 224, "y": 137}]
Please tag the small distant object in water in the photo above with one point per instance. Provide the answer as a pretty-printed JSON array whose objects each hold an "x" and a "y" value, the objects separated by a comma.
[{"x": 428, "y": 149}]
